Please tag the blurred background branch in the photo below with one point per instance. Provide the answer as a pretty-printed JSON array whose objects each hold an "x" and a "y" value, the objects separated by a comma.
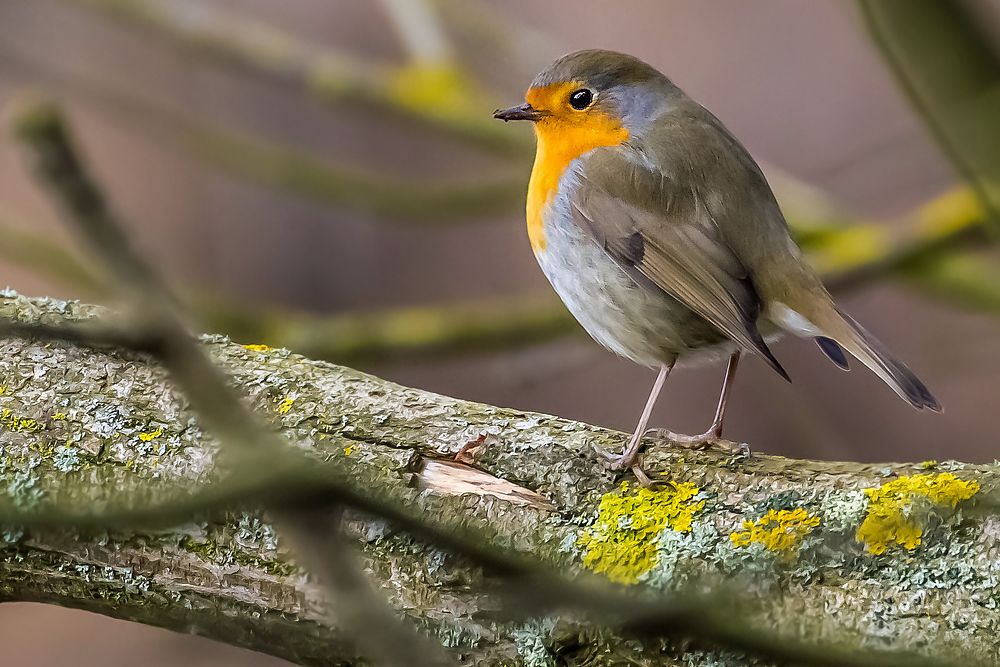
[
  {"x": 935, "y": 252},
  {"x": 436, "y": 94},
  {"x": 946, "y": 59}
]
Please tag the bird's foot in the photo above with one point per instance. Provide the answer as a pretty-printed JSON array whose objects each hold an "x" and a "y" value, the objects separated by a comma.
[
  {"x": 700, "y": 441},
  {"x": 626, "y": 459},
  {"x": 617, "y": 461},
  {"x": 710, "y": 439}
]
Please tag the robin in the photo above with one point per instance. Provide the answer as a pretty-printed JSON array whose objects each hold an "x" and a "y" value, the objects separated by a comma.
[{"x": 663, "y": 238}]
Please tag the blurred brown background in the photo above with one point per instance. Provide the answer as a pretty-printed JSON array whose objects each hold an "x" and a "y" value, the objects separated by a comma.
[{"x": 798, "y": 82}]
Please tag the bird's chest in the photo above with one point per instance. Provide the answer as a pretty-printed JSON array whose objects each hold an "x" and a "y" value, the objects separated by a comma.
[{"x": 647, "y": 326}]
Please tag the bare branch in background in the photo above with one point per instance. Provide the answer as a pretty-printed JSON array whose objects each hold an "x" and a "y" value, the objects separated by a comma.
[
  {"x": 420, "y": 31},
  {"x": 934, "y": 252},
  {"x": 487, "y": 36},
  {"x": 295, "y": 170},
  {"x": 949, "y": 68},
  {"x": 327, "y": 75},
  {"x": 46, "y": 257}
]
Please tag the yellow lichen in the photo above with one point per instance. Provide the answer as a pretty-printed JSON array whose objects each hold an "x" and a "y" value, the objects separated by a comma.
[
  {"x": 893, "y": 515},
  {"x": 623, "y": 542},
  {"x": 852, "y": 247},
  {"x": 431, "y": 88},
  {"x": 780, "y": 531},
  {"x": 286, "y": 405},
  {"x": 257, "y": 348},
  {"x": 59, "y": 417},
  {"x": 3, "y": 389},
  {"x": 951, "y": 212},
  {"x": 149, "y": 436},
  {"x": 348, "y": 450},
  {"x": 12, "y": 422}
]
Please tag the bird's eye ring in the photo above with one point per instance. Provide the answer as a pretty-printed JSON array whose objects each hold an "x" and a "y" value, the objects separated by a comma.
[{"x": 581, "y": 99}]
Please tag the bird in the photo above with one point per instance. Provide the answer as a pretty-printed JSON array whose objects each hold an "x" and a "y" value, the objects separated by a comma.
[{"x": 662, "y": 237}]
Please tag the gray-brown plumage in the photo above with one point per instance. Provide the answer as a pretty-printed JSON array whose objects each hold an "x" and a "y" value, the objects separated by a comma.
[{"x": 662, "y": 235}]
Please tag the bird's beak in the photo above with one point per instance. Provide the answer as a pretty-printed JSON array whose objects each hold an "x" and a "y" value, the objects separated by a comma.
[{"x": 523, "y": 112}]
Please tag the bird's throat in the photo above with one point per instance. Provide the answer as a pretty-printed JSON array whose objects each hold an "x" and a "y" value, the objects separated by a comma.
[{"x": 560, "y": 142}]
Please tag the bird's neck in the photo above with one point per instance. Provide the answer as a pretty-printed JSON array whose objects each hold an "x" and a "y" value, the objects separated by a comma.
[{"x": 559, "y": 144}]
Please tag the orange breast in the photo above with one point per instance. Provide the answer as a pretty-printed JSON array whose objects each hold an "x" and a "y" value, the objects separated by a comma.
[{"x": 562, "y": 137}]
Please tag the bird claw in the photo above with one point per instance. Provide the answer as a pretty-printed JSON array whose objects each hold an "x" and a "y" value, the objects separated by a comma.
[
  {"x": 700, "y": 442},
  {"x": 619, "y": 462},
  {"x": 705, "y": 441},
  {"x": 616, "y": 462}
]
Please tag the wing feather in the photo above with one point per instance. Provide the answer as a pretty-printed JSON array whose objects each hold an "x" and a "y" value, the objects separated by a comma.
[{"x": 663, "y": 235}]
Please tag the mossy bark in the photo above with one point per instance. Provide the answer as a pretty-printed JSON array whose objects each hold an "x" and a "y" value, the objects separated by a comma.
[{"x": 82, "y": 428}]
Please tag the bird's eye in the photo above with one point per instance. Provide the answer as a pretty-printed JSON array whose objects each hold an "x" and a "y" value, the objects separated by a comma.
[{"x": 581, "y": 99}]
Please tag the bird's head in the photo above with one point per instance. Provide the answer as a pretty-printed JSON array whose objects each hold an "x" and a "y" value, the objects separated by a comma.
[{"x": 595, "y": 96}]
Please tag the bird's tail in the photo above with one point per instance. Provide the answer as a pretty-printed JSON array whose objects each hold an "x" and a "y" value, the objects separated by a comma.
[{"x": 835, "y": 329}]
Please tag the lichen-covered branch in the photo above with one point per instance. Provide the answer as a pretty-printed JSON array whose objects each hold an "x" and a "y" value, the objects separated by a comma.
[{"x": 875, "y": 556}]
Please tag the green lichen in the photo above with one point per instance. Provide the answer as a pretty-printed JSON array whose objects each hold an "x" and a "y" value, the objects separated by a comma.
[
  {"x": 842, "y": 511},
  {"x": 623, "y": 543},
  {"x": 779, "y": 531},
  {"x": 23, "y": 490},
  {"x": 247, "y": 541},
  {"x": 66, "y": 458},
  {"x": 897, "y": 509},
  {"x": 251, "y": 531},
  {"x": 225, "y": 555},
  {"x": 529, "y": 639}
]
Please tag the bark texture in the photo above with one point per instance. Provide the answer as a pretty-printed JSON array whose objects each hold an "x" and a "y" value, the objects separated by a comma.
[{"x": 877, "y": 556}]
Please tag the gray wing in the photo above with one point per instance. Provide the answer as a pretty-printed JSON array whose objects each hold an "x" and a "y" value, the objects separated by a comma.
[{"x": 662, "y": 234}]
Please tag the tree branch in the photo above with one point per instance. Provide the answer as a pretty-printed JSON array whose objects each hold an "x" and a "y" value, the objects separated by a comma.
[{"x": 100, "y": 430}]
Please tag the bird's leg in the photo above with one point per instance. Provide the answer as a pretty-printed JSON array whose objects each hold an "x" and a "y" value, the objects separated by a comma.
[
  {"x": 631, "y": 451},
  {"x": 714, "y": 432},
  {"x": 727, "y": 386}
]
